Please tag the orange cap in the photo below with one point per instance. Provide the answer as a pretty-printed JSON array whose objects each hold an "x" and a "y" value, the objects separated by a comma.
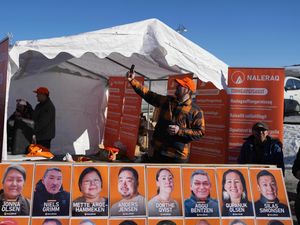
[
  {"x": 42, "y": 90},
  {"x": 187, "y": 83}
]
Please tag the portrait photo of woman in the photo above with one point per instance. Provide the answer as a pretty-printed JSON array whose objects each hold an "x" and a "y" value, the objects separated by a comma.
[
  {"x": 12, "y": 201},
  {"x": 91, "y": 202},
  {"x": 234, "y": 194},
  {"x": 162, "y": 204}
]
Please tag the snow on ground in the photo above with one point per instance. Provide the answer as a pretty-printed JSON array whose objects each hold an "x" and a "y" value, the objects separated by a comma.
[{"x": 291, "y": 144}]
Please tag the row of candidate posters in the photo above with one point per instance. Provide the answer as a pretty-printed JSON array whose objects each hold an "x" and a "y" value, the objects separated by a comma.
[
  {"x": 141, "y": 221},
  {"x": 142, "y": 191}
]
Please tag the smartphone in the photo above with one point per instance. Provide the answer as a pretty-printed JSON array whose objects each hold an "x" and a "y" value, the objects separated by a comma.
[{"x": 132, "y": 68}]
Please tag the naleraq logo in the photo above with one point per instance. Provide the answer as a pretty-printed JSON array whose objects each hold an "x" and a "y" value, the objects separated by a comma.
[{"x": 238, "y": 77}]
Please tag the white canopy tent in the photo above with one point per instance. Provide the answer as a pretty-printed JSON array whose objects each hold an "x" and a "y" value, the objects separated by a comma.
[{"x": 76, "y": 69}]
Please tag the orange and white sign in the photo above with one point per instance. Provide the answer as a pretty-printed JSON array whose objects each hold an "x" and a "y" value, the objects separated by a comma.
[
  {"x": 202, "y": 221},
  {"x": 131, "y": 118},
  {"x": 213, "y": 146},
  {"x": 256, "y": 94},
  {"x": 114, "y": 110},
  {"x": 200, "y": 192},
  {"x": 238, "y": 221},
  {"x": 90, "y": 190},
  {"x": 129, "y": 221},
  {"x": 273, "y": 221},
  {"x": 52, "y": 190},
  {"x": 127, "y": 191},
  {"x": 234, "y": 187},
  {"x": 45, "y": 221},
  {"x": 166, "y": 221},
  {"x": 14, "y": 221},
  {"x": 164, "y": 198},
  {"x": 269, "y": 193},
  {"x": 16, "y": 183},
  {"x": 88, "y": 221}
]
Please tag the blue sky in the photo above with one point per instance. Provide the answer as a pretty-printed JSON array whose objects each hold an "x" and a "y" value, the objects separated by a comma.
[{"x": 252, "y": 33}]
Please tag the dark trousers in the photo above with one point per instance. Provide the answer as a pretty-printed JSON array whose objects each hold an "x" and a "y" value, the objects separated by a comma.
[
  {"x": 159, "y": 158},
  {"x": 45, "y": 143}
]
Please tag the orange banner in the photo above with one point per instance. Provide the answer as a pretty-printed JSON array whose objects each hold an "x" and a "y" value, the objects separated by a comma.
[
  {"x": 131, "y": 118},
  {"x": 214, "y": 103},
  {"x": 114, "y": 110},
  {"x": 256, "y": 94}
]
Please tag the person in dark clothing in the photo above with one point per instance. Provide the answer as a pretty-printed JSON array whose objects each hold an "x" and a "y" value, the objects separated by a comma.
[
  {"x": 180, "y": 120},
  {"x": 50, "y": 199},
  {"x": 44, "y": 118},
  {"x": 12, "y": 201},
  {"x": 19, "y": 127},
  {"x": 296, "y": 172},
  {"x": 260, "y": 148}
]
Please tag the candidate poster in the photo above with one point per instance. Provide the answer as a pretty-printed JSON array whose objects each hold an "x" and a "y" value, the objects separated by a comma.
[
  {"x": 269, "y": 193},
  {"x": 50, "y": 221},
  {"x": 16, "y": 189},
  {"x": 127, "y": 190},
  {"x": 235, "y": 191},
  {"x": 274, "y": 221},
  {"x": 238, "y": 221},
  {"x": 200, "y": 192},
  {"x": 164, "y": 196},
  {"x": 3, "y": 75},
  {"x": 51, "y": 195},
  {"x": 129, "y": 221},
  {"x": 14, "y": 221},
  {"x": 166, "y": 221},
  {"x": 256, "y": 94},
  {"x": 88, "y": 221},
  {"x": 213, "y": 145},
  {"x": 90, "y": 190},
  {"x": 202, "y": 221}
]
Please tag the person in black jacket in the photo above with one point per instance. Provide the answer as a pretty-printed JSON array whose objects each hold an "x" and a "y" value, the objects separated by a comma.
[
  {"x": 260, "y": 148},
  {"x": 296, "y": 172},
  {"x": 49, "y": 197},
  {"x": 44, "y": 118}
]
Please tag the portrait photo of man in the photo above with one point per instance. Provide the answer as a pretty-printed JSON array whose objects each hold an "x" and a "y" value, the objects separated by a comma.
[
  {"x": 132, "y": 202},
  {"x": 50, "y": 198},
  {"x": 269, "y": 204},
  {"x": 200, "y": 203},
  {"x": 51, "y": 222}
]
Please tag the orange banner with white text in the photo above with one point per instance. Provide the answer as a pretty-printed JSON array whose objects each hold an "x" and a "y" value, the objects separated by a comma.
[
  {"x": 256, "y": 94},
  {"x": 214, "y": 103}
]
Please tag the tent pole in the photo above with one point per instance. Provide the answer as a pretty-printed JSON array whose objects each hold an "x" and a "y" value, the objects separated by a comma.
[{"x": 120, "y": 64}]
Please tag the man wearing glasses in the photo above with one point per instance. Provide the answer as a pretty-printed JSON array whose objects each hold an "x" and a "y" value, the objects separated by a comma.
[{"x": 261, "y": 148}]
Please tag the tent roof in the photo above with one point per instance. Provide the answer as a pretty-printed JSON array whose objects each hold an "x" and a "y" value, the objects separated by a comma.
[
  {"x": 155, "y": 49},
  {"x": 293, "y": 71}
]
